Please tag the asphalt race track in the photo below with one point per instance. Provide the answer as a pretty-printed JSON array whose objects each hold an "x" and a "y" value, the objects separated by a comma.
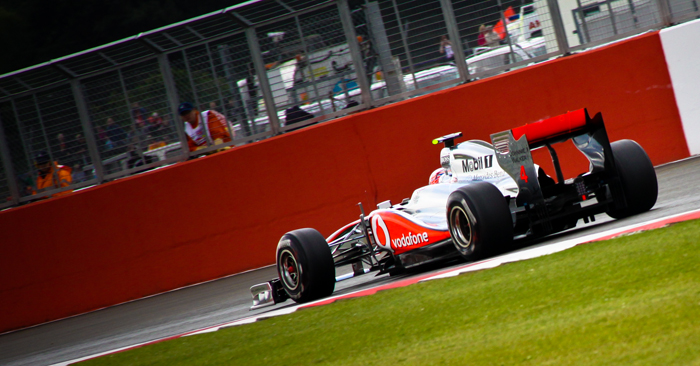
[{"x": 228, "y": 299}]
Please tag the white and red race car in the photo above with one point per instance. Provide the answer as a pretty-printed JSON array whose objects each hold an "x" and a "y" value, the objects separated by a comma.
[{"x": 482, "y": 198}]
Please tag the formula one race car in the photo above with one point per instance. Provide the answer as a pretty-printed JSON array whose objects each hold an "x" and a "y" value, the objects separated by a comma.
[{"x": 482, "y": 198}]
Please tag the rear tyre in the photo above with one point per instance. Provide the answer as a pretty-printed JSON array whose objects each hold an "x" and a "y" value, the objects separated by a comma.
[
  {"x": 637, "y": 178},
  {"x": 479, "y": 220},
  {"x": 305, "y": 265}
]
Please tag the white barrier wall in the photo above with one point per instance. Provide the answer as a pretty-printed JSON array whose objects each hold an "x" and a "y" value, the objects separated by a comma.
[{"x": 681, "y": 45}]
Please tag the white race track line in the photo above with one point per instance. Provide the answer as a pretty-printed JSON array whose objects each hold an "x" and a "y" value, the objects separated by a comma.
[{"x": 489, "y": 263}]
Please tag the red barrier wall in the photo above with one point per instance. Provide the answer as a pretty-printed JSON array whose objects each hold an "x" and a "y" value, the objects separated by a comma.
[{"x": 223, "y": 214}]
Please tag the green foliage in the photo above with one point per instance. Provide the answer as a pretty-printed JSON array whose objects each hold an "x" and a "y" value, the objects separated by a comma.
[{"x": 633, "y": 300}]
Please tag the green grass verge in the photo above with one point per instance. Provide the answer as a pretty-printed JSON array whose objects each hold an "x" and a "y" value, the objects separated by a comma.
[{"x": 633, "y": 300}]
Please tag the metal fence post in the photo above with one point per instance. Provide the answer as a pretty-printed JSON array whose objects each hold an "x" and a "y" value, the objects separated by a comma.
[
  {"x": 404, "y": 41},
  {"x": 310, "y": 69},
  {"x": 558, "y": 25},
  {"x": 28, "y": 151},
  {"x": 263, "y": 82},
  {"x": 505, "y": 26},
  {"x": 630, "y": 4},
  {"x": 229, "y": 128},
  {"x": 584, "y": 37},
  {"x": 8, "y": 168},
  {"x": 47, "y": 143},
  {"x": 391, "y": 71},
  {"x": 173, "y": 101},
  {"x": 453, "y": 31},
  {"x": 238, "y": 107},
  {"x": 665, "y": 10},
  {"x": 612, "y": 16},
  {"x": 88, "y": 132},
  {"x": 355, "y": 53},
  {"x": 195, "y": 96}
]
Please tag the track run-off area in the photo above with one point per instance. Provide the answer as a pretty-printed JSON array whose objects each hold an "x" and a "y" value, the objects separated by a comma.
[{"x": 225, "y": 302}]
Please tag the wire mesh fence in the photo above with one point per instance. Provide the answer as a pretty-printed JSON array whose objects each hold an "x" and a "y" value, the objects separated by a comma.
[
  {"x": 682, "y": 10},
  {"x": 599, "y": 20},
  {"x": 504, "y": 36},
  {"x": 268, "y": 67},
  {"x": 413, "y": 46}
]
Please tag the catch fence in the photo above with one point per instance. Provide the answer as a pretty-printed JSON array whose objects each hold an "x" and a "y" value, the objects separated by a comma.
[{"x": 273, "y": 66}]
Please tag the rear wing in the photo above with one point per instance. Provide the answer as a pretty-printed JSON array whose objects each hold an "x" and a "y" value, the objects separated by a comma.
[
  {"x": 513, "y": 149},
  {"x": 555, "y": 129}
]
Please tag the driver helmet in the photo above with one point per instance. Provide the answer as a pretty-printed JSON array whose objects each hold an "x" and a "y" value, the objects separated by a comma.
[{"x": 436, "y": 175}]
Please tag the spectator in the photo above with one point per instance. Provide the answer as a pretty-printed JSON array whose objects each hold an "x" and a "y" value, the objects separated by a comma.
[
  {"x": 78, "y": 148},
  {"x": 62, "y": 149},
  {"x": 368, "y": 56},
  {"x": 157, "y": 127},
  {"x": 252, "y": 102},
  {"x": 138, "y": 136},
  {"x": 26, "y": 183},
  {"x": 236, "y": 115},
  {"x": 138, "y": 113},
  {"x": 446, "y": 48},
  {"x": 481, "y": 38},
  {"x": 101, "y": 138},
  {"x": 203, "y": 129},
  {"x": 79, "y": 157},
  {"x": 51, "y": 175},
  {"x": 214, "y": 107},
  {"x": 115, "y": 135},
  {"x": 155, "y": 122},
  {"x": 488, "y": 37}
]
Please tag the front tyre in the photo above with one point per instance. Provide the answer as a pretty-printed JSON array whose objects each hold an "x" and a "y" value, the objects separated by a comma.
[
  {"x": 637, "y": 177},
  {"x": 479, "y": 220},
  {"x": 305, "y": 265}
]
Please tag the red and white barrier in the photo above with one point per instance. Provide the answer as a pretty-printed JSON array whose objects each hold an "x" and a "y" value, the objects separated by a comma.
[{"x": 681, "y": 45}]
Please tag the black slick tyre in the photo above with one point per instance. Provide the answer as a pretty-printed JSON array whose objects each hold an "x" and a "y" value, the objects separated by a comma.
[
  {"x": 637, "y": 177},
  {"x": 305, "y": 265},
  {"x": 479, "y": 220}
]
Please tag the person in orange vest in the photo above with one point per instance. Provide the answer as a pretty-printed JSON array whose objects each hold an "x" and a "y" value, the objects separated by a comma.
[
  {"x": 51, "y": 175},
  {"x": 201, "y": 135}
]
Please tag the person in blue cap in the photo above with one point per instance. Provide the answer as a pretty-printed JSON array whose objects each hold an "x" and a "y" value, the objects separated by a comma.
[{"x": 203, "y": 129}]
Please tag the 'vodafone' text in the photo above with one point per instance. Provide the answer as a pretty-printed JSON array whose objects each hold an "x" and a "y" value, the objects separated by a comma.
[{"x": 411, "y": 239}]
